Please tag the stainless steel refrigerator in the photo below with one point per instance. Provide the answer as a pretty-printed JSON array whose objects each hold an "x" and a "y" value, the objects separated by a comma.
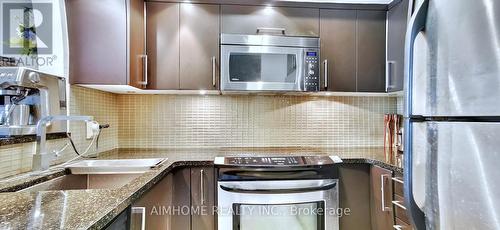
[{"x": 452, "y": 115}]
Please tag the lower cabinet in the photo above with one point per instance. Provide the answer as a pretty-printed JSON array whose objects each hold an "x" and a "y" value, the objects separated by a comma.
[
  {"x": 402, "y": 220},
  {"x": 354, "y": 194},
  {"x": 203, "y": 198},
  {"x": 382, "y": 215},
  {"x": 183, "y": 200}
]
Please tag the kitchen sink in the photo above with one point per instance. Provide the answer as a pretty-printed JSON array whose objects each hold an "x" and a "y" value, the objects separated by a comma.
[
  {"x": 84, "y": 181},
  {"x": 122, "y": 166},
  {"x": 99, "y": 174}
]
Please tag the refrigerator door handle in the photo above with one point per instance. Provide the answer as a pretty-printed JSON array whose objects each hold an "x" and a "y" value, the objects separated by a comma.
[{"x": 416, "y": 24}]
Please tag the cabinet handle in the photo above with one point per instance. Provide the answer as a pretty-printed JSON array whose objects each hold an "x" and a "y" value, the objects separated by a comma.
[
  {"x": 271, "y": 29},
  {"x": 325, "y": 72},
  {"x": 202, "y": 187},
  {"x": 398, "y": 227},
  {"x": 416, "y": 24},
  {"x": 398, "y": 180},
  {"x": 382, "y": 189},
  {"x": 141, "y": 211},
  {"x": 214, "y": 83},
  {"x": 144, "y": 70},
  {"x": 398, "y": 203},
  {"x": 389, "y": 75}
]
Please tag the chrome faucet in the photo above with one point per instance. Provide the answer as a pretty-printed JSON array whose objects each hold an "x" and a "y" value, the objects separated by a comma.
[{"x": 41, "y": 158}]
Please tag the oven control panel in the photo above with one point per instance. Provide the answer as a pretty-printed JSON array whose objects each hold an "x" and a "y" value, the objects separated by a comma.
[
  {"x": 277, "y": 161},
  {"x": 311, "y": 76}
]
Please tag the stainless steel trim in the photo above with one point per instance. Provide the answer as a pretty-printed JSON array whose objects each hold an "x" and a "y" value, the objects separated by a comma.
[
  {"x": 271, "y": 29},
  {"x": 389, "y": 75},
  {"x": 202, "y": 187},
  {"x": 269, "y": 40},
  {"x": 144, "y": 69},
  {"x": 121, "y": 166},
  {"x": 325, "y": 69},
  {"x": 277, "y": 185},
  {"x": 416, "y": 24},
  {"x": 141, "y": 211},
  {"x": 382, "y": 189},
  {"x": 398, "y": 203},
  {"x": 213, "y": 71}
]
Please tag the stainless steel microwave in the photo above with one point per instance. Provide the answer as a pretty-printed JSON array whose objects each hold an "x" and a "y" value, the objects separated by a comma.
[{"x": 269, "y": 63}]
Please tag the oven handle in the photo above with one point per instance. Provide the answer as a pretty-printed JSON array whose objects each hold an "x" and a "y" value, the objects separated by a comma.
[{"x": 319, "y": 185}]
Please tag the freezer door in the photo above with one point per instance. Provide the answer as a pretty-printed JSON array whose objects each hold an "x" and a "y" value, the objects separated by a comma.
[
  {"x": 460, "y": 73},
  {"x": 462, "y": 183}
]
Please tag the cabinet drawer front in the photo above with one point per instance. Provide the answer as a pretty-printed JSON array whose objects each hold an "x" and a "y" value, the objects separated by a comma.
[
  {"x": 247, "y": 19},
  {"x": 403, "y": 225},
  {"x": 398, "y": 188},
  {"x": 398, "y": 211}
]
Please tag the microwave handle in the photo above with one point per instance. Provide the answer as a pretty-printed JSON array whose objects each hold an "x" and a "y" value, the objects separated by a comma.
[
  {"x": 271, "y": 29},
  {"x": 323, "y": 187}
]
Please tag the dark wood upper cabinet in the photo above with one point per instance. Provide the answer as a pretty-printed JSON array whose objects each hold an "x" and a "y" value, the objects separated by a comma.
[
  {"x": 238, "y": 19},
  {"x": 353, "y": 50},
  {"x": 183, "y": 45},
  {"x": 162, "y": 33},
  {"x": 371, "y": 51},
  {"x": 338, "y": 49},
  {"x": 106, "y": 46},
  {"x": 397, "y": 19},
  {"x": 199, "y": 46}
]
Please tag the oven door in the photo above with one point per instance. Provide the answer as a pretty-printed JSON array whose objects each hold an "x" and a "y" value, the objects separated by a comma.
[
  {"x": 278, "y": 205},
  {"x": 261, "y": 68}
]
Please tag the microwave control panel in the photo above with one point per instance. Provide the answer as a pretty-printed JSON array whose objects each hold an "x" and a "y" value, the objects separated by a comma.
[{"x": 311, "y": 78}]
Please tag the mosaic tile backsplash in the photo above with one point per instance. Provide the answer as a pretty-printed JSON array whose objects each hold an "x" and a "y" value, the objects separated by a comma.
[
  {"x": 167, "y": 121},
  {"x": 353, "y": 125},
  {"x": 17, "y": 158}
]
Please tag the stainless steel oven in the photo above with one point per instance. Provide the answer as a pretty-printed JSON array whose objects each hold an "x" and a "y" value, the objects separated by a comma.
[
  {"x": 269, "y": 63},
  {"x": 277, "y": 193}
]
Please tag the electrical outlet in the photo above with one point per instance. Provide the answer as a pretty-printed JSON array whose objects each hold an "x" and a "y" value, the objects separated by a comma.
[{"x": 90, "y": 132}]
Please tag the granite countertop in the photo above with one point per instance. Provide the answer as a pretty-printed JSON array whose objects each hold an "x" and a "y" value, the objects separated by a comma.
[{"x": 95, "y": 208}]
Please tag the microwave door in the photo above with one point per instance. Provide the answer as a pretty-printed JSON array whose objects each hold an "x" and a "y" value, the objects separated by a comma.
[{"x": 261, "y": 68}]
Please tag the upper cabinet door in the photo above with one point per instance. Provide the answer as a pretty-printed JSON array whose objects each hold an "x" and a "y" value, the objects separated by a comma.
[
  {"x": 397, "y": 18},
  {"x": 338, "y": 49},
  {"x": 371, "y": 51},
  {"x": 97, "y": 41},
  {"x": 199, "y": 46},
  {"x": 162, "y": 45},
  {"x": 237, "y": 19},
  {"x": 137, "y": 44}
]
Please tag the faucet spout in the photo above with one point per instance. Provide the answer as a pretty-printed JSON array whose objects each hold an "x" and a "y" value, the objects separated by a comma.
[{"x": 41, "y": 158}]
